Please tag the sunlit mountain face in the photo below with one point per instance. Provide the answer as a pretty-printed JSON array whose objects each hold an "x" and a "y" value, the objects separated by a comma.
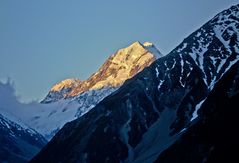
[{"x": 122, "y": 65}]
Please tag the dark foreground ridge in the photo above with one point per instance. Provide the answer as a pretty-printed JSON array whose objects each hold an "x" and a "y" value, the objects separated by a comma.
[{"x": 214, "y": 138}]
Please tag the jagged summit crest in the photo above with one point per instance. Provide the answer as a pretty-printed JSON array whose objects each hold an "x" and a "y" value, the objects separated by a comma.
[{"x": 120, "y": 66}]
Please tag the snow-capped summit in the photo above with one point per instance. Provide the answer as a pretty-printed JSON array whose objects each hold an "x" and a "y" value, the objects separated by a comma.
[
  {"x": 60, "y": 90},
  {"x": 65, "y": 84},
  {"x": 122, "y": 65}
]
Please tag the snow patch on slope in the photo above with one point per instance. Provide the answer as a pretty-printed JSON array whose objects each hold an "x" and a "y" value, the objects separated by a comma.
[{"x": 195, "y": 113}]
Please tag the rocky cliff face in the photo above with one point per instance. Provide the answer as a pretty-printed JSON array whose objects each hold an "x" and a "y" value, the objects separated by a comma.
[
  {"x": 122, "y": 65},
  {"x": 214, "y": 138},
  {"x": 152, "y": 110}
]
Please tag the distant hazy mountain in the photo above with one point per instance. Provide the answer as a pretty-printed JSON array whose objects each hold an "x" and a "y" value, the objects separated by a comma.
[{"x": 157, "y": 109}]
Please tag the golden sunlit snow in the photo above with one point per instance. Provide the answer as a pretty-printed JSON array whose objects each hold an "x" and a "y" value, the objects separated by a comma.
[{"x": 122, "y": 65}]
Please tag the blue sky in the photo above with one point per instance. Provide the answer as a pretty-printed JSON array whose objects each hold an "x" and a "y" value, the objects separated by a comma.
[{"x": 43, "y": 42}]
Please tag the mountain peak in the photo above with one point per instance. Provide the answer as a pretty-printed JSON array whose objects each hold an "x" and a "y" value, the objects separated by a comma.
[
  {"x": 67, "y": 83},
  {"x": 129, "y": 54},
  {"x": 148, "y": 46},
  {"x": 59, "y": 90},
  {"x": 120, "y": 66}
]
